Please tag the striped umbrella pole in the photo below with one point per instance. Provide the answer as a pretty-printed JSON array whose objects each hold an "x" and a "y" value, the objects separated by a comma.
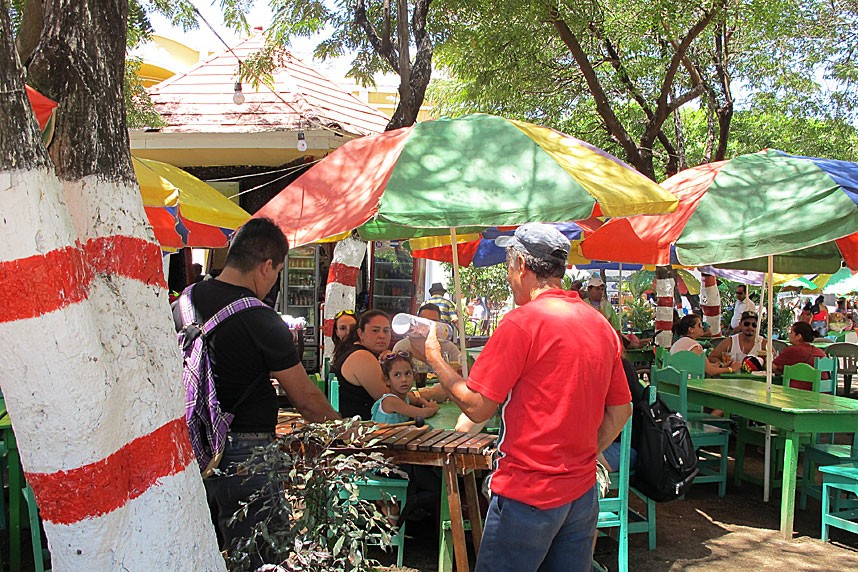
[
  {"x": 91, "y": 379},
  {"x": 710, "y": 303}
]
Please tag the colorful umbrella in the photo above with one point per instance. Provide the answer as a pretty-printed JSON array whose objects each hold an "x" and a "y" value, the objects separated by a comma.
[
  {"x": 842, "y": 283},
  {"x": 466, "y": 173},
  {"x": 735, "y": 213},
  {"x": 481, "y": 250},
  {"x": 45, "y": 110},
  {"x": 184, "y": 210}
]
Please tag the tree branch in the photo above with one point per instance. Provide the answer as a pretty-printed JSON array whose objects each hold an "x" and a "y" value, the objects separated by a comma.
[
  {"x": 603, "y": 106},
  {"x": 375, "y": 41}
]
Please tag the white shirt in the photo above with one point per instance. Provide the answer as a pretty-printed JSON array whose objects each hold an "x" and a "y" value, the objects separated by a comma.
[
  {"x": 684, "y": 344},
  {"x": 745, "y": 305}
]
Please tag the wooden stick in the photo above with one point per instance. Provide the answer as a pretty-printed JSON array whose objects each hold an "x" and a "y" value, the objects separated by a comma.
[{"x": 403, "y": 424}]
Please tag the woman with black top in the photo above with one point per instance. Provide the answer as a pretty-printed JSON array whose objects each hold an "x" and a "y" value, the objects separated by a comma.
[{"x": 356, "y": 364}]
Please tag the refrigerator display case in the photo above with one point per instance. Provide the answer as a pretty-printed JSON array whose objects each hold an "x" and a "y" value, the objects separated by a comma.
[
  {"x": 301, "y": 299},
  {"x": 393, "y": 278}
]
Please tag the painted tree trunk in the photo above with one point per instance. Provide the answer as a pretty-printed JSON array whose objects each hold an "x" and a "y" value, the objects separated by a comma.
[
  {"x": 710, "y": 302},
  {"x": 89, "y": 365},
  {"x": 342, "y": 279},
  {"x": 664, "y": 286}
]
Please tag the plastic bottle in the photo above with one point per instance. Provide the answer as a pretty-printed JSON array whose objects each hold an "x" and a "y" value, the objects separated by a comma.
[{"x": 417, "y": 327}]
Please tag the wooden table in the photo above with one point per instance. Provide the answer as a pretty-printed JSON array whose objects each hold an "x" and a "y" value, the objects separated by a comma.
[
  {"x": 457, "y": 454},
  {"x": 792, "y": 410}
]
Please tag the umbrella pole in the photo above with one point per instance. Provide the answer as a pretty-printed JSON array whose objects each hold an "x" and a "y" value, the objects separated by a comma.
[
  {"x": 769, "y": 317},
  {"x": 457, "y": 283},
  {"x": 620, "y": 295}
]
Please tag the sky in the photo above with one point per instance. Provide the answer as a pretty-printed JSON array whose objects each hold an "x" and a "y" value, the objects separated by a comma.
[{"x": 204, "y": 40}]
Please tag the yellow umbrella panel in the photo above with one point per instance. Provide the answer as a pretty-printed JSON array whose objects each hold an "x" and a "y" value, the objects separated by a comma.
[{"x": 183, "y": 210}]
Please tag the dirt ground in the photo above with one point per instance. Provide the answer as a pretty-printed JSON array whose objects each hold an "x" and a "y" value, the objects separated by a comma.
[{"x": 702, "y": 532}]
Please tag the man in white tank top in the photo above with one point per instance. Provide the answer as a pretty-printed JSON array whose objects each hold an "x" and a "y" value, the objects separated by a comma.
[{"x": 745, "y": 343}]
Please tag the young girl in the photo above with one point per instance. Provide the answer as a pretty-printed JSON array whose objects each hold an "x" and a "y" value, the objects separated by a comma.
[
  {"x": 400, "y": 404},
  {"x": 396, "y": 407}
]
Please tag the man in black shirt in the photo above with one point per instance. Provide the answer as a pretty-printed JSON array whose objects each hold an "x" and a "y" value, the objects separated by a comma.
[{"x": 247, "y": 350}]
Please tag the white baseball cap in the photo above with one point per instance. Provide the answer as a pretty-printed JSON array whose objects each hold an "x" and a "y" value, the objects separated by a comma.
[{"x": 595, "y": 282}]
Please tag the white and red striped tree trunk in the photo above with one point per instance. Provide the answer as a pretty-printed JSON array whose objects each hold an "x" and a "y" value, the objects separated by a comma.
[
  {"x": 89, "y": 366},
  {"x": 342, "y": 279},
  {"x": 710, "y": 303},
  {"x": 664, "y": 286}
]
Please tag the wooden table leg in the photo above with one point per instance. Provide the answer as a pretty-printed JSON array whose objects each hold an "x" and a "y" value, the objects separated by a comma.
[
  {"x": 788, "y": 485},
  {"x": 474, "y": 513},
  {"x": 457, "y": 525}
]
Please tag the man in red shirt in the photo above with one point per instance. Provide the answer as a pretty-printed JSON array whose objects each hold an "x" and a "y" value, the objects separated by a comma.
[{"x": 553, "y": 366}]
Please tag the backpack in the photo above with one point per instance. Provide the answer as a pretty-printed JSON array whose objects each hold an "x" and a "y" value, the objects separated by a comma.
[
  {"x": 667, "y": 458},
  {"x": 207, "y": 423}
]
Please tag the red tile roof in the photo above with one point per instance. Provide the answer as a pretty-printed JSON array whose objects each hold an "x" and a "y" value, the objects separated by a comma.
[{"x": 200, "y": 100}]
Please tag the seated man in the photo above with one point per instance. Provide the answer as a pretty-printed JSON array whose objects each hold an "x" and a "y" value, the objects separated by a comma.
[
  {"x": 416, "y": 347},
  {"x": 737, "y": 347}
]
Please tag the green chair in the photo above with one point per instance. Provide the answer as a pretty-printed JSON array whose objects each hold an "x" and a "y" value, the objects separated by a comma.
[
  {"x": 846, "y": 355},
  {"x": 838, "y": 479},
  {"x": 615, "y": 511},
  {"x": 383, "y": 489},
  {"x": 712, "y": 442},
  {"x": 319, "y": 381},
  {"x": 819, "y": 455},
  {"x": 695, "y": 366},
  {"x": 796, "y": 377},
  {"x": 334, "y": 391},
  {"x": 827, "y": 365},
  {"x": 40, "y": 555}
]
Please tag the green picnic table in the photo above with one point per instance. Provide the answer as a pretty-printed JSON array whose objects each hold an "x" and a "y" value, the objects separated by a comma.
[{"x": 793, "y": 411}]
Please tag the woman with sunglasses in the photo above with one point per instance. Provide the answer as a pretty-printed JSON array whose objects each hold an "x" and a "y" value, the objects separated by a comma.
[
  {"x": 344, "y": 322},
  {"x": 356, "y": 364}
]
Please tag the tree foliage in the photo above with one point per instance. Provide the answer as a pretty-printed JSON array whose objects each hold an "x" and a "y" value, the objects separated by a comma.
[
  {"x": 616, "y": 72},
  {"x": 379, "y": 35},
  {"x": 478, "y": 282}
]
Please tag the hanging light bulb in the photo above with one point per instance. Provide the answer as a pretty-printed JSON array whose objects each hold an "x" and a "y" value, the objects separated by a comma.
[
  {"x": 302, "y": 141},
  {"x": 238, "y": 95}
]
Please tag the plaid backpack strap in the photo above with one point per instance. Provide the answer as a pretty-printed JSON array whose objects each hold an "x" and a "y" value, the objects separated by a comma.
[{"x": 207, "y": 423}]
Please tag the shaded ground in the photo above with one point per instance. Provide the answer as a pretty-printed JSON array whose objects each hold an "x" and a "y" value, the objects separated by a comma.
[{"x": 703, "y": 532}]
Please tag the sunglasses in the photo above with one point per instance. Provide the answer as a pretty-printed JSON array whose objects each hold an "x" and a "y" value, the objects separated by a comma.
[
  {"x": 740, "y": 293},
  {"x": 344, "y": 313},
  {"x": 393, "y": 355},
  {"x": 750, "y": 324}
]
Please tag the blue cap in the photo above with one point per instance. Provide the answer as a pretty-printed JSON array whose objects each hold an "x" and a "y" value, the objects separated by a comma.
[{"x": 540, "y": 240}]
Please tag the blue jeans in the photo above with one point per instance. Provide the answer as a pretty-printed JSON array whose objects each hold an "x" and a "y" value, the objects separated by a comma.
[
  {"x": 226, "y": 492},
  {"x": 522, "y": 538},
  {"x": 612, "y": 455}
]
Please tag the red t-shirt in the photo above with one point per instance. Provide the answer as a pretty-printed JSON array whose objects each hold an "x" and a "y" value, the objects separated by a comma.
[{"x": 555, "y": 365}]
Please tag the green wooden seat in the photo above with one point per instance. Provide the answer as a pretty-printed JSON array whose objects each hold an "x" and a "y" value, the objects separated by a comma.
[
  {"x": 40, "y": 555},
  {"x": 827, "y": 365},
  {"x": 334, "y": 391},
  {"x": 846, "y": 355},
  {"x": 615, "y": 511},
  {"x": 319, "y": 381},
  {"x": 796, "y": 377},
  {"x": 819, "y": 455},
  {"x": 711, "y": 441},
  {"x": 380, "y": 488},
  {"x": 695, "y": 366},
  {"x": 837, "y": 479}
]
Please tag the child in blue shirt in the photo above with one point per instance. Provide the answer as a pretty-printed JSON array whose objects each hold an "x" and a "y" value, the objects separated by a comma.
[{"x": 398, "y": 405}]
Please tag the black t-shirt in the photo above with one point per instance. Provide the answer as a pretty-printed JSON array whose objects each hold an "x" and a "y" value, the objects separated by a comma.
[{"x": 244, "y": 349}]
